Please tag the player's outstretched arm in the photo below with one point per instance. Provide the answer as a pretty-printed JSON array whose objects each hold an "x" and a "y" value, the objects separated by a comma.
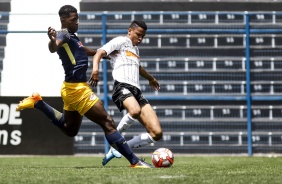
[
  {"x": 94, "y": 77},
  {"x": 152, "y": 81}
]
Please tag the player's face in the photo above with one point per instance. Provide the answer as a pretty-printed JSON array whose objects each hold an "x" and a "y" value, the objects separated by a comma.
[
  {"x": 136, "y": 35},
  {"x": 71, "y": 22}
]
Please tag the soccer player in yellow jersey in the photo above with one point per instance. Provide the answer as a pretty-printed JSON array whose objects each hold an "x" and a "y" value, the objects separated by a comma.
[
  {"x": 125, "y": 61},
  {"x": 78, "y": 98}
]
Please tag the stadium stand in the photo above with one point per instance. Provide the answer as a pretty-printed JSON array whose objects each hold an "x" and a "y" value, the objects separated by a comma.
[
  {"x": 200, "y": 65},
  {"x": 180, "y": 5}
]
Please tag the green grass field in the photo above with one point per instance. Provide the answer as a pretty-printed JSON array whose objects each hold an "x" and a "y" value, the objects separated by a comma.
[{"x": 186, "y": 170}]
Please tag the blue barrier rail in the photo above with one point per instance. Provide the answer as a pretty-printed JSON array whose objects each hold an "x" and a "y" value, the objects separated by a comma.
[{"x": 248, "y": 84}]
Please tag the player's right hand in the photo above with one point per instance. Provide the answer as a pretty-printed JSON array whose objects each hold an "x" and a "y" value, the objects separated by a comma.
[{"x": 52, "y": 33}]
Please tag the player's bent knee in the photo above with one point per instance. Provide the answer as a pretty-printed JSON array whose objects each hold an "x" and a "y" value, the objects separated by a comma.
[
  {"x": 135, "y": 113},
  {"x": 71, "y": 133},
  {"x": 157, "y": 136}
]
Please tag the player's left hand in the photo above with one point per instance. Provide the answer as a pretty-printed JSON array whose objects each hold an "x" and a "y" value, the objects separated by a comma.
[{"x": 154, "y": 84}]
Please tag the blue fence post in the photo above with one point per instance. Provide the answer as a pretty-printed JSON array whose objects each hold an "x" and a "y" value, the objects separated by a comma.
[
  {"x": 248, "y": 85},
  {"x": 105, "y": 79}
]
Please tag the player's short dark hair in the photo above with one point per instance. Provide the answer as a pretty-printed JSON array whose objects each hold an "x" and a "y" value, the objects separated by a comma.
[
  {"x": 65, "y": 11},
  {"x": 138, "y": 23}
]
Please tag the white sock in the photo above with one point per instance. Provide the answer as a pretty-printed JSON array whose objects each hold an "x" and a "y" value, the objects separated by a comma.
[
  {"x": 125, "y": 123},
  {"x": 142, "y": 139}
]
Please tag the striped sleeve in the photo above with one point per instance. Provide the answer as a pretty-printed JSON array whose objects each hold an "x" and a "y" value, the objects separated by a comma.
[{"x": 114, "y": 44}]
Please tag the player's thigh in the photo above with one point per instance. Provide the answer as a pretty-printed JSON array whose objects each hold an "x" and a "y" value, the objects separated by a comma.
[
  {"x": 72, "y": 119},
  {"x": 131, "y": 105},
  {"x": 99, "y": 115},
  {"x": 149, "y": 119}
]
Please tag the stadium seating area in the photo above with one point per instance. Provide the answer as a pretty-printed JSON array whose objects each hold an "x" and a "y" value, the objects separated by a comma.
[
  {"x": 216, "y": 127},
  {"x": 201, "y": 56}
]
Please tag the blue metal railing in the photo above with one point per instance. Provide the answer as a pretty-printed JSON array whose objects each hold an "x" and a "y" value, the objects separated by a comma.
[
  {"x": 248, "y": 85},
  {"x": 104, "y": 40}
]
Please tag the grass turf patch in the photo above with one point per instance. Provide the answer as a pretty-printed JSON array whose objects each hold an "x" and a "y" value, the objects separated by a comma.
[{"x": 87, "y": 169}]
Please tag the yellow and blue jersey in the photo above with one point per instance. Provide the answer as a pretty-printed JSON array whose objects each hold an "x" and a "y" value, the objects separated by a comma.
[
  {"x": 76, "y": 93},
  {"x": 73, "y": 56}
]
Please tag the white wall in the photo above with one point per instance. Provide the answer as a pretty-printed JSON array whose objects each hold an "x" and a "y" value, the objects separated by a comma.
[{"x": 28, "y": 65}]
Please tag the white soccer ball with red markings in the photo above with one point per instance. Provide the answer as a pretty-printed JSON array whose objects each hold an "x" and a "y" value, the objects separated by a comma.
[{"x": 162, "y": 157}]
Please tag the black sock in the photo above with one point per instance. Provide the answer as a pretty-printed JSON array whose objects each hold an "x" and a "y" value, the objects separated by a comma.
[
  {"x": 55, "y": 116},
  {"x": 118, "y": 142}
]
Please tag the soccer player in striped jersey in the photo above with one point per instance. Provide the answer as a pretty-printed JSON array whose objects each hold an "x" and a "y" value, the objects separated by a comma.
[
  {"x": 77, "y": 95},
  {"x": 125, "y": 61}
]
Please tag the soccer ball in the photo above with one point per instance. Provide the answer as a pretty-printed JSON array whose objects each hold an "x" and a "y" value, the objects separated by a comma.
[{"x": 162, "y": 157}]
